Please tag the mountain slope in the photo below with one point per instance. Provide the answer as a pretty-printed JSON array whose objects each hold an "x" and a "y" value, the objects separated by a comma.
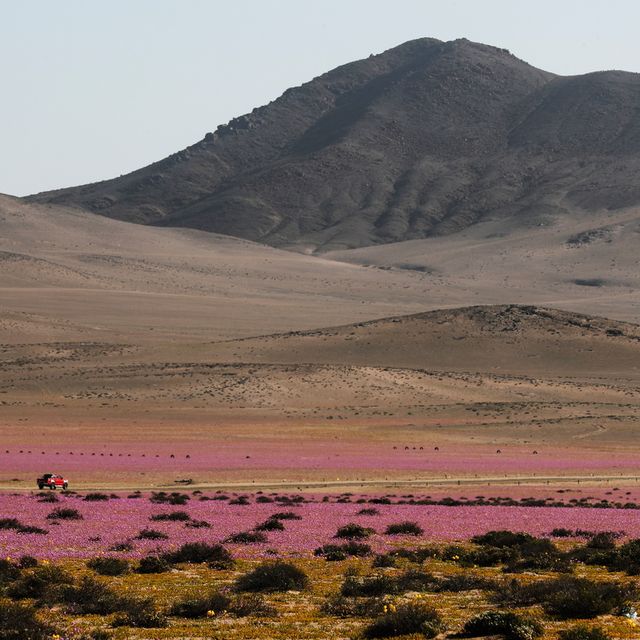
[{"x": 425, "y": 139}]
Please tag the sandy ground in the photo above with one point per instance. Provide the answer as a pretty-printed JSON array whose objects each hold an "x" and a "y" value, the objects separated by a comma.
[{"x": 131, "y": 341}]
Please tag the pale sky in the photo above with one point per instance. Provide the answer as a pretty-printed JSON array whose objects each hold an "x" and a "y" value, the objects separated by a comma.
[{"x": 95, "y": 88}]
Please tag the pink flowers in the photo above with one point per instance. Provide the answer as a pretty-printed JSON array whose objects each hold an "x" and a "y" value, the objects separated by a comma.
[{"x": 108, "y": 524}]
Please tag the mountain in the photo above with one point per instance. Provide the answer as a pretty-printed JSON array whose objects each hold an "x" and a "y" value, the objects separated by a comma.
[{"x": 425, "y": 139}]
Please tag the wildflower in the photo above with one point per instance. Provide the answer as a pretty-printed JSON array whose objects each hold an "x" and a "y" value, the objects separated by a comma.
[{"x": 210, "y": 613}]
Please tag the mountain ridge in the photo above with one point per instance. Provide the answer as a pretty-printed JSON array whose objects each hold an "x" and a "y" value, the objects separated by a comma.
[{"x": 424, "y": 139}]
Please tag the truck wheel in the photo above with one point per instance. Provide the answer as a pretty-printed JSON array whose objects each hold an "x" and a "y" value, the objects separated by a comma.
[
  {"x": 64, "y": 486},
  {"x": 41, "y": 487}
]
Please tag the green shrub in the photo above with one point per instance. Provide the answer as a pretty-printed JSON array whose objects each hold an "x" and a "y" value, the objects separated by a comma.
[
  {"x": 508, "y": 624},
  {"x": 27, "y": 562},
  {"x": 10, "y": 523},
  {"x": 247, "y": 537},
  {"x": 582, "y": 632},
  {"x": 141, "y": 613},
  {"x": 65, "y": 513},
  {"x": 20, "y": 622},
  {"x": 406, "y": 619},
  {"x": 174, "y": 516},
  {"x": 348, "y": 607},
  {"x": 91, "y": 596},
  {"x": 215, "y": 555},
  {"x": 96, "y": 497},
  {"x": 43, "y": 583},
  {"x": 343, "y": 551},
  {"x": 368, "y": 511},
  {"x": 197, "y": 524},
  {"x": 273, "y": 576},
  {"x": 502, "y": 539},
  {"x": 251, "y": 604},
  {"x": 384, "y": 561},
  {"x": 285, "y": 515},
  {"x": 603, "y": 541},
  {"x": 353, "y": 531},
  {"x": 151, "y": 534},
  {"x": 584, "y": 598},
  {"x": 9, "y": 571},
  {"x": 199, "y": 607},
  {"x": 404, "y": 529},
  {"x": 368, "y": 586},
  {"x": 270, "y": 525},
  {"x": 109, "y": 566},
  {"x": 174, "y": 498},
  {"x": 152, "y": 564}
]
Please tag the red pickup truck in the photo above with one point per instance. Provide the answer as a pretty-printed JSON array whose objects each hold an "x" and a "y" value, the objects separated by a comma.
[{"x": 52, "y": 481}]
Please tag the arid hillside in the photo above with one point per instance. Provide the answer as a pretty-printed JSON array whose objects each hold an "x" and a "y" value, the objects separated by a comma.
[{"x": 425, "y": 139}]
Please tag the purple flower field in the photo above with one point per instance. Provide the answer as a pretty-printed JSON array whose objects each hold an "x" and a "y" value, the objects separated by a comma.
[{"x": 115, "y": 521}]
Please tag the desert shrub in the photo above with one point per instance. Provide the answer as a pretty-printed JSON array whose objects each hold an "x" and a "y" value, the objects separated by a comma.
[
  {"x": 502, "y": 539},
  {"x": 263, "y": 499},
  {"x": 406, "y": 619},
  {"x": 270, "y": 525},
  {"x": 343, "y": 551},
  {"x": 353, "y": 531},
  {"x": 368, "y": 511},
  {"x": 65, "y": 513},
  {"x": 10, "y": 523},
  {"x": 582, "y": 632},
  {"x": 19, "y": 622},
  {"x": 247, "y": 537},
  {"x": 384, "y": 561},
  {"x": 42, "y": 582},
  {"x": 27, "y": 562},
  {"x": 584, "y": 598},
  {"x": 561, "y": 532},
  {"x": 152, "y": 564},
  {"x": 251, "y": 604},
  {"x": 151, "y": 534},
  {"x": 404, "y": 529},
  {"x": 28, "y": 528},
  {"x": 347, "y": 607},
  {"x": 285, "y": 515},
  {"x": 199, "y": 607},
  {"x": 273, "y": 576},
  {"x": 141, "y": 613},
  {"x": 174, "y": 516},
  {"x": 508, "y": 624},
  {"x": 464, "y": 582},
  {"x": 215, "y": 555},
  {"x": 197, "y": 524},
  {"x": 96, "y": 497},
  {"x": 174, "y": 498},
  {"x": 48, "y": 497},
  {"x": 108, "y": 566},
  {"x": 241, "y": 501},
  {"x": 603, "y": 541},
  {"x": 121, "y": 546},
  {"x": 91, "y": 596},
  {"x": 368, "y": 586},
  {"x": 9, "y": 571},
  {"x": 626, "y": 557}
]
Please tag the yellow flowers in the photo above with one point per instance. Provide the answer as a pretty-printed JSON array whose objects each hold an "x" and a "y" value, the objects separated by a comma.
[{"x": 210, "y": 613}]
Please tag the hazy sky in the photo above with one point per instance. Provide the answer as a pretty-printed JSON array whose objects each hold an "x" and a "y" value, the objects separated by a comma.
[{"x": 96, "y": 88}]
